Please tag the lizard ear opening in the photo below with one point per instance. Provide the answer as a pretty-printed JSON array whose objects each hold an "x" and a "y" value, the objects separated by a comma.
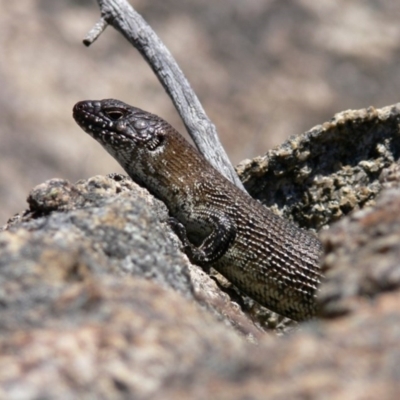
[{"x": 155, "y": 142}]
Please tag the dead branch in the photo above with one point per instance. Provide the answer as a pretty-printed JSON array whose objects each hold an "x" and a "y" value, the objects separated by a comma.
[{"x": 121, "y": 15}]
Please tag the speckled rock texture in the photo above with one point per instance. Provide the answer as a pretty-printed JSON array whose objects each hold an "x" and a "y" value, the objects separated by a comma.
[
  {"x": 329, "y": 171},
  {"x": 107, "y": 225},
  {"x": 362, "y": 256},
  {"x": 98, "y": 301}
]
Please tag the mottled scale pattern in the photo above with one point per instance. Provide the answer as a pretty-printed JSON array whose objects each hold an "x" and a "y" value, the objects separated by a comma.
[{"x": 268, "y": 258}]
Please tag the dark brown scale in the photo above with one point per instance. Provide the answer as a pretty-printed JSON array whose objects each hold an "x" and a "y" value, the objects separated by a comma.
[{"x": 268, "y": 258}]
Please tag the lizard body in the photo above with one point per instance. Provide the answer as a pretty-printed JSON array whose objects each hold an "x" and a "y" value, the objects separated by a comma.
[{"x": 267, "y": 257}]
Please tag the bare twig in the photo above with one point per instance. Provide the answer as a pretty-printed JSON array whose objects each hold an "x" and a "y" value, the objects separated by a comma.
[
  {"x": 95, "y": 32},
  {"x": 121, "y": 15}
]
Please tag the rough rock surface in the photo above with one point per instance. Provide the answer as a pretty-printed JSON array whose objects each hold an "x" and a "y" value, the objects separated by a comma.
[
  {"x": 107, "y": 225},
  {"x": 97, "y": 300},
  {"x": 334, "y": 168},
  {"x": 362, "y": 256}
]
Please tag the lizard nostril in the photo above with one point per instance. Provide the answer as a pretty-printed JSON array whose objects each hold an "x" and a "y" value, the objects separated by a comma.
[{"x": 78, "y": 107}]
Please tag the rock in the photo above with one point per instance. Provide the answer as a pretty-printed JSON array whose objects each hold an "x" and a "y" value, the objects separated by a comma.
[
  {"x": 320, "y": 176},
  {"x": 100, "y": 219},
  {"x": 98, "y": 301},
  {"x": 110, "y": 225},
  {"x": 362, "y": 256},
  {"x": 104, "y": 337},
  {"x": 333, "y": 169}
]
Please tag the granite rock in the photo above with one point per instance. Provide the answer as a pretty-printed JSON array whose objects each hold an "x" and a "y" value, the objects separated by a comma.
[
  {"x": 97, "y": 299},
  {"x": 335, "y": 168}
]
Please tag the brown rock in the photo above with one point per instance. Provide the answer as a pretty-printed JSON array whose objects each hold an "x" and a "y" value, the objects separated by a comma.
[
  {"x": 97, "y": 300},
  {"x": 317, "y": 177},
  {"x": 362, "y": 256}
]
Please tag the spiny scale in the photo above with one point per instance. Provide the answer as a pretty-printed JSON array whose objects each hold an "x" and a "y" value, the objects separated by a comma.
[{"x": 268, "y": 258}]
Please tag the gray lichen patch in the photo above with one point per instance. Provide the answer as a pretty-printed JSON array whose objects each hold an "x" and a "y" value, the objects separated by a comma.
[{"x": 319, "y": 176}]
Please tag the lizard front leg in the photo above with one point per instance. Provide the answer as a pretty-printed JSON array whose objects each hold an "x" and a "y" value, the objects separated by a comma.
[{"x": 214, "y": 246}]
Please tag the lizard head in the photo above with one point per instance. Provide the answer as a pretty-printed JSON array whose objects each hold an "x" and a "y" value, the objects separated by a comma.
[
  {"x": 119, "y": 127},
  {"x": 150, "y": 150},
  {"x": 127, "y": 133}
]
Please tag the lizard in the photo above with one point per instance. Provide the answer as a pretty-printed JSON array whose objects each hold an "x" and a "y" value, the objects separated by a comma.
[{"x": 267, "y": 257}]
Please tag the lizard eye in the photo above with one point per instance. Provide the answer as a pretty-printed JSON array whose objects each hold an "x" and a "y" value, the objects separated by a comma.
[{"x": 114, "y": 115}]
